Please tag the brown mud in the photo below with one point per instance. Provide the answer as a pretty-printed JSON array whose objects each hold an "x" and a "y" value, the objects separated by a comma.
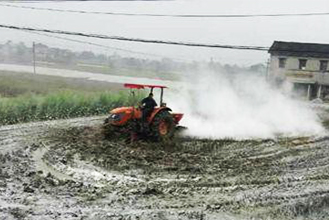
[{"x": 66, "y": 170}]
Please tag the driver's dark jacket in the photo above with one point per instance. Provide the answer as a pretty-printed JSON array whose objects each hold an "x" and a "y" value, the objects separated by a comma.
[{"x": 148, "y": 103}]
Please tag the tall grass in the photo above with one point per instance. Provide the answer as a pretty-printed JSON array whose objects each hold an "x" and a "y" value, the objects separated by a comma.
[{"x": 60, "y": 105}]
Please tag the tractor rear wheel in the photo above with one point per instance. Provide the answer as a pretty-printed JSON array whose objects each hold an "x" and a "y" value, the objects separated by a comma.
[{"x": 163, "y": 126}]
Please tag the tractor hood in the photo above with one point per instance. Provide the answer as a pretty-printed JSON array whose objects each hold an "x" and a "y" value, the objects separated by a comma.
[
  {"x": 126, "y": 110},
  {"x": 120, "y": 116}
]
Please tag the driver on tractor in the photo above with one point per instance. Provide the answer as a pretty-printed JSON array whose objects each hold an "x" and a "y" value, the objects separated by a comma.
[{"x": 148, "y": 105}]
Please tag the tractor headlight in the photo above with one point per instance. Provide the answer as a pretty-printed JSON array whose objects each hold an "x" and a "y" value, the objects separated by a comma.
[{"x": 116, "y": 117}]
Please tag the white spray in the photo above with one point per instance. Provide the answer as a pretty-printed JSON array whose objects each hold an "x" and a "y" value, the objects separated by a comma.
[{"x": 240, "y": 107}]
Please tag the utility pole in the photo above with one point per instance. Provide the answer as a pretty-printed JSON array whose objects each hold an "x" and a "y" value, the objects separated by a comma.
[{"x": 33, "y": 50}]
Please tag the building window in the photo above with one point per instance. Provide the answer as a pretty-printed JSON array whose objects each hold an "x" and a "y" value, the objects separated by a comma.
[
  {"x": 302, "y": 64},
  {"x": 323, "y": 65},
  {"x": 282, "y": 62}
]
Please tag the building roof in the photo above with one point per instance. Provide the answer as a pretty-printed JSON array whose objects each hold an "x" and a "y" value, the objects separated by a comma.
[{"x": 299, "y": 49}]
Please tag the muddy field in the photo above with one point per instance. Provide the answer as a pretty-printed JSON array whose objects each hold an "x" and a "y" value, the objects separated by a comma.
[{"x": 66, "y": 170}]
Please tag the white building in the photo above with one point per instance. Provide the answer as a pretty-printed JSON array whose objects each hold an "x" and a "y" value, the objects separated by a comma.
[{"x": 303, "y": 64}]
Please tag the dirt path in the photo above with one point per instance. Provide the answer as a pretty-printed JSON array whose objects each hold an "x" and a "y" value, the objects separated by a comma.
[
  {"x": 87, "y": 75},
  {"x": 65, "y": 170}
]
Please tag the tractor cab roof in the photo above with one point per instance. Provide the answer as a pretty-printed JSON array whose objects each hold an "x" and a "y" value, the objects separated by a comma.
[{"x": 142, "y": 86}]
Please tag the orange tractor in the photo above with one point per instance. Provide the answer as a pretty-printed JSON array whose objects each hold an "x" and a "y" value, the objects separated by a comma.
[{"x": 161, "y": 123}]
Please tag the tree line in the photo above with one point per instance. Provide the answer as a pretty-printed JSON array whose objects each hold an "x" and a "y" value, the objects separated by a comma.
[{"x": 19, "y": 53}]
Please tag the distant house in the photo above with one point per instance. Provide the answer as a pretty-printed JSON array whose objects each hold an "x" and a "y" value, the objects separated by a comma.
[{"x": 303, "y": 64}]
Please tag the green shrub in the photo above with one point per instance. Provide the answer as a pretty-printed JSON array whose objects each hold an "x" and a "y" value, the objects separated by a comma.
[{"x": 61, "y": 105}]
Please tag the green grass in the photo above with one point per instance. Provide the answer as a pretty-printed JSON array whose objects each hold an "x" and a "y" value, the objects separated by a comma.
[
  {"x": 26, "y": 97},
  {"x": 60, "y": 105}
]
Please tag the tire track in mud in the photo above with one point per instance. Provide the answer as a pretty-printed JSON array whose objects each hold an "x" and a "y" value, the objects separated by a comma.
[
  {"x": 13, "y": 136},
  {"x": 280, "y": 183},
  {"x": 22, "y": 184},
  {"x": 192, "y": 178},
  {"x": 258, "y": 190}
]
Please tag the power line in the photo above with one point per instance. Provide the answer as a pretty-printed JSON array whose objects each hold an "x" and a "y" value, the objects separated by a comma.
[
  {"x": 168, "y": 15},
  {"x": 119, "y": 38}
]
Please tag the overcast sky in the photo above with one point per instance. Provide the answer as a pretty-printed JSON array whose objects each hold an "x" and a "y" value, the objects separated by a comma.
[{"x": 234, "y": 31}]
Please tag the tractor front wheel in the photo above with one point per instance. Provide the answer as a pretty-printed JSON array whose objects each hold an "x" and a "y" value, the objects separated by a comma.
[{"x": 163, "y": 126}]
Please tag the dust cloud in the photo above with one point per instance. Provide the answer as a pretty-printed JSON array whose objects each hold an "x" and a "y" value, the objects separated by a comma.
[{"x": 241, "y": 106}]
